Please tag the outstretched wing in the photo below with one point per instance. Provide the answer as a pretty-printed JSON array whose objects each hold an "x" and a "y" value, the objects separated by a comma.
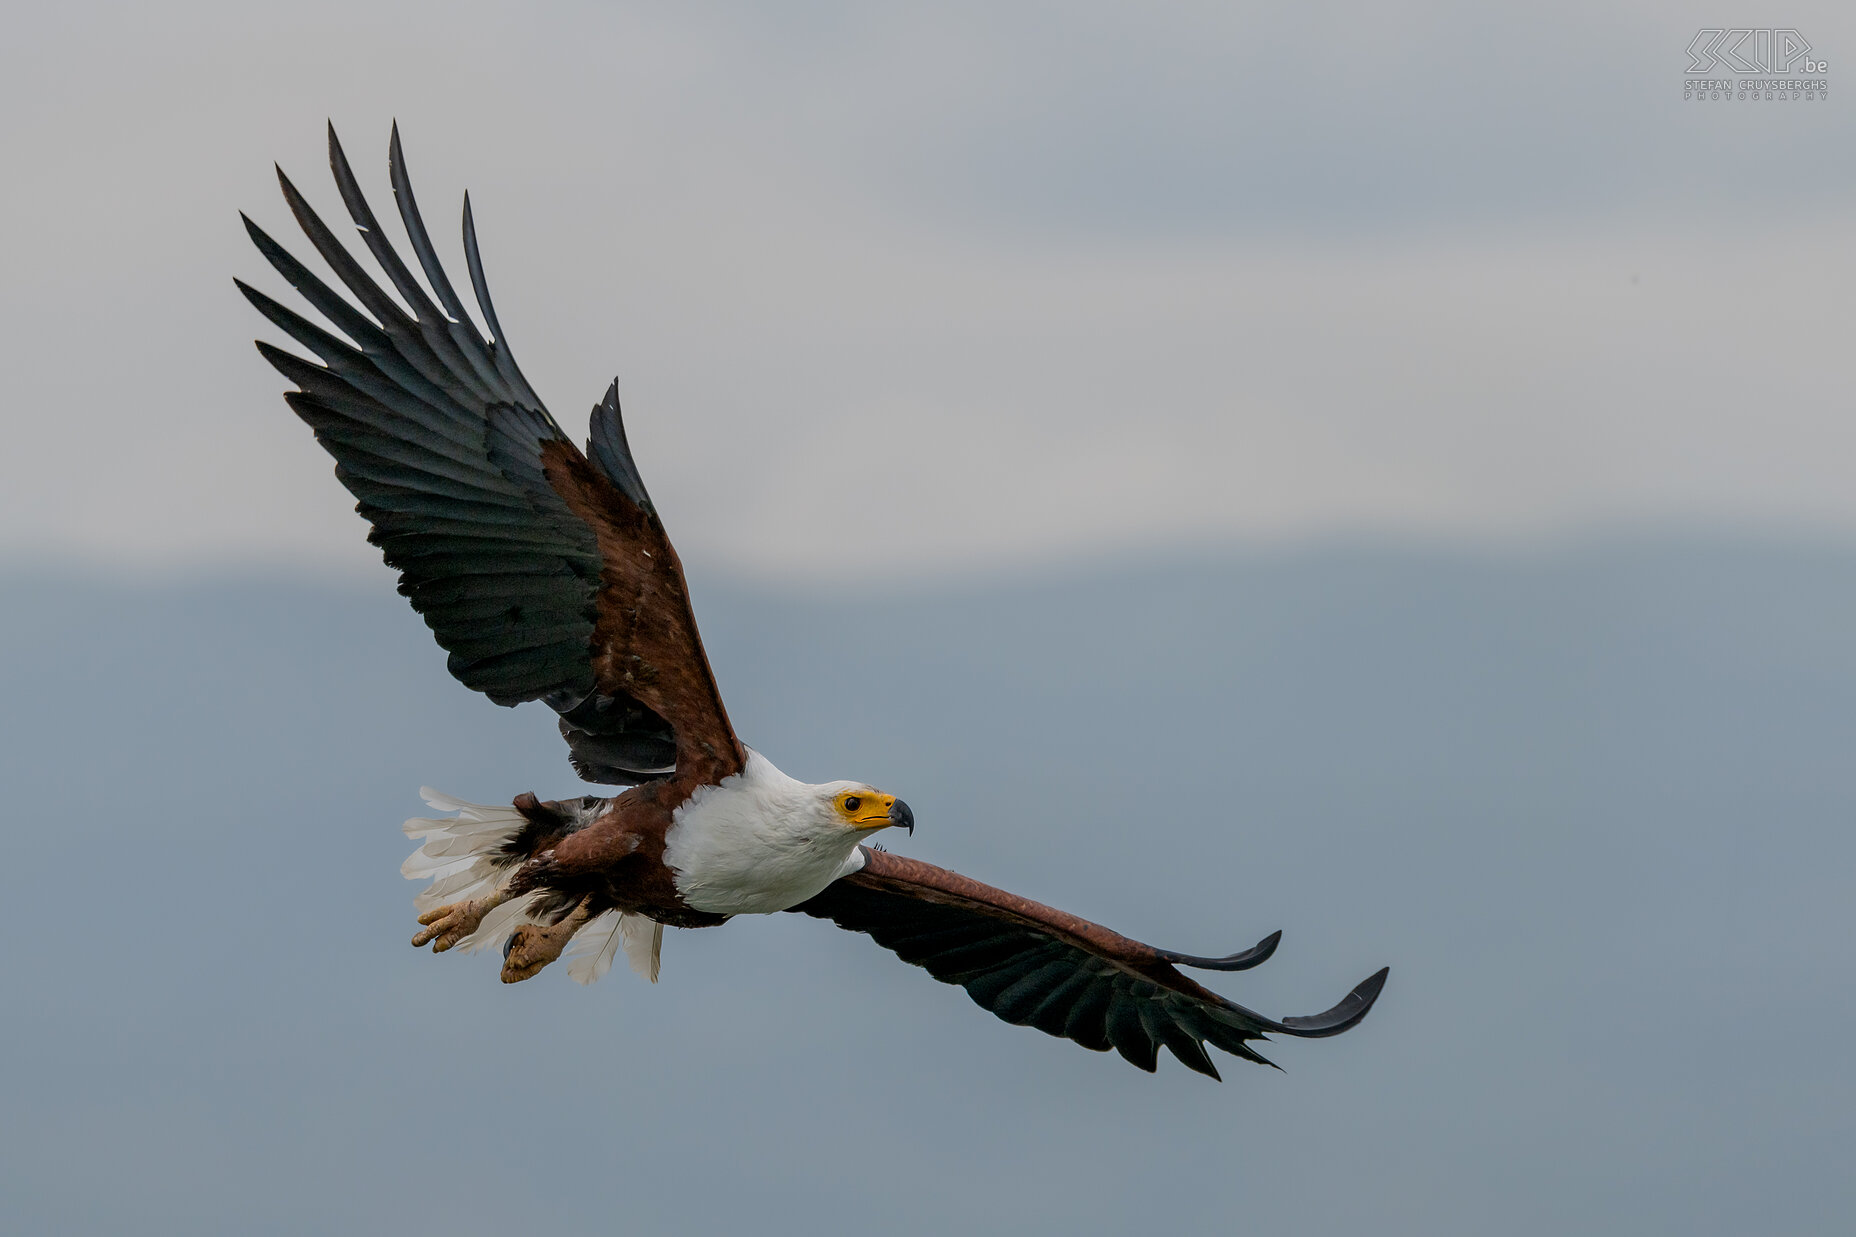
[
  {"x": 1036, "y": 966},
  {"x": 546, "y": 575}
]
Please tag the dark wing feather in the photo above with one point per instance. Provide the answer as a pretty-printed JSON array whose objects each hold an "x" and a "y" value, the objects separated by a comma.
[
  {"x": 1036, "y": 966},
  {"x": 546, "y": 576}
]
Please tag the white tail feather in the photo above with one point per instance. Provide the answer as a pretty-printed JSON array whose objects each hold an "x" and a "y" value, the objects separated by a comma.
[
  {"x": 478, "y": 880},
  {"x": 446, "y": 888},
  {"x": 443, "y": 802},
  {"x": 590, "y": 953},
  {"x": 453, "y": 843},
  {"x": 643, "y": 938}
]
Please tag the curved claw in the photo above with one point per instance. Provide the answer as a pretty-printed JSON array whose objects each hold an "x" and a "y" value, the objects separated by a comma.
[
  {"x": 1256, "y": 955},
  {"x": 1351, "y": 1009}
]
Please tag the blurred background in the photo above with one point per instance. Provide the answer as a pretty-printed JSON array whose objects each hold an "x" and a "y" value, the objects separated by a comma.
[{"x": 1398, "y": 463}]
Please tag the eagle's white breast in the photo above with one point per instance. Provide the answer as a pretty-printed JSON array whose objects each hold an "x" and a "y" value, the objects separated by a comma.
[{"x": 758, "y": 842}]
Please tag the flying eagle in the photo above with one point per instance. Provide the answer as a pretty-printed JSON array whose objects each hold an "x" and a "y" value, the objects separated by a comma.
[{"x": 546, "y": 574}]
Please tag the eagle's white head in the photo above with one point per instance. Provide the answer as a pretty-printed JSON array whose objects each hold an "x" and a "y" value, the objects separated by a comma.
[
  {"x": 760, "y": 841},
  {"x": 837, "y": 806}
]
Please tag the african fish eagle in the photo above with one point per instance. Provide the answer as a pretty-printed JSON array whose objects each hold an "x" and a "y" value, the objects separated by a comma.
[{"x": 546, "y": 574}]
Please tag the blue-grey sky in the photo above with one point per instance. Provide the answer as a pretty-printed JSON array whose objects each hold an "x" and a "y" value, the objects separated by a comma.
[
  {"x": 1072, "y": 277},
  {"x": 1593, "y": 808}
]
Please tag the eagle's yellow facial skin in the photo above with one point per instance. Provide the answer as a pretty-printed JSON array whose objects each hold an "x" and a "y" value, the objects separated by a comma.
[{"x": 864, "y": 809}]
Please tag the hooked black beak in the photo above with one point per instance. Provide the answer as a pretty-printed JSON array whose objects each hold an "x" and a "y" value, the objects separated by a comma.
[{"x": 901, "y": 818}]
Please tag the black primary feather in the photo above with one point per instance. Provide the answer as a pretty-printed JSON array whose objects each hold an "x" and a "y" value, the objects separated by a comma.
[{"x": 438, "y": 435}]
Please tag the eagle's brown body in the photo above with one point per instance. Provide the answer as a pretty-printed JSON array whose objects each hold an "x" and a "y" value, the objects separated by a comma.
[{"x": 614, "y": 863}]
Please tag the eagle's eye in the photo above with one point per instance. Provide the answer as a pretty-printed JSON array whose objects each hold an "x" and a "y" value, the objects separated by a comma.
[{"x": 852, "y": 803}]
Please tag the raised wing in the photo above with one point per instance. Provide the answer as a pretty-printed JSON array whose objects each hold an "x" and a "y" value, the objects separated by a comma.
[
  {"x": 1036, "y": 966},
  {"x": 545, "y": 575}
]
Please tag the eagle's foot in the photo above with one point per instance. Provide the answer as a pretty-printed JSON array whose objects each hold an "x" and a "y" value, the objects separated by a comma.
[
  {"x": 446, "y": 925},
  {"x": 535, "y": 945}
]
